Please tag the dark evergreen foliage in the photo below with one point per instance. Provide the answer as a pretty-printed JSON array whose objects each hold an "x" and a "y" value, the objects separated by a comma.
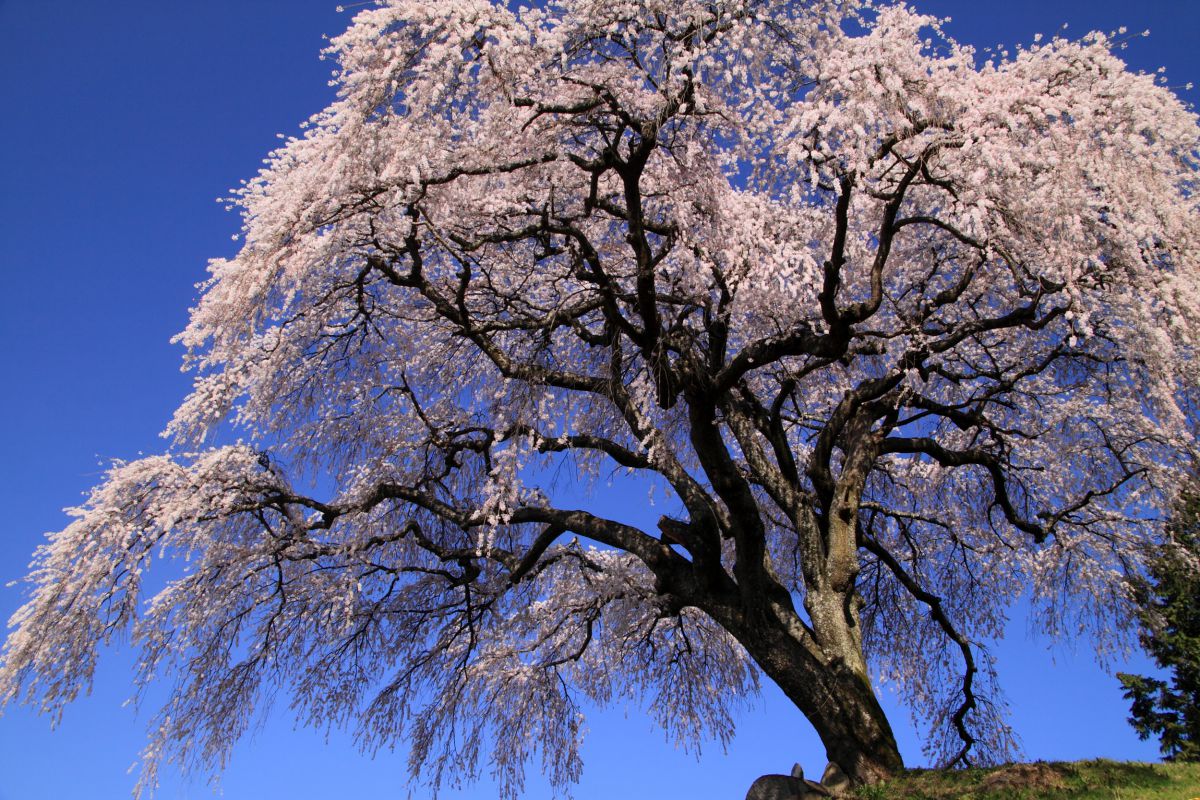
[{"x": 1170, "y": 618}]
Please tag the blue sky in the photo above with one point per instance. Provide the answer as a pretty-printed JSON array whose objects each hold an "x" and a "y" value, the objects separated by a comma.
[{"x": 125, "y": 119}]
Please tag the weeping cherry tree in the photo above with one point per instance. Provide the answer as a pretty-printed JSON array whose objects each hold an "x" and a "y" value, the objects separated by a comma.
[{"x": 903, "y": 332}]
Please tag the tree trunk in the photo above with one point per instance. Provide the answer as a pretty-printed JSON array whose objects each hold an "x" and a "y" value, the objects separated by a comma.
[
  {"x": 832, "y": 691},
  {"x": 847, "y": 716}
]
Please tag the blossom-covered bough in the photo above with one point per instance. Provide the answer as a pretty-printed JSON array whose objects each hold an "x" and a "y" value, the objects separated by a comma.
[{"x": 904, "y": 336}]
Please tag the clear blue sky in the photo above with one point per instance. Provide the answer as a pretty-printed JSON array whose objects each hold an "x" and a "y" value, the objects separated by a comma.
[{"x": 124, "y": 120}]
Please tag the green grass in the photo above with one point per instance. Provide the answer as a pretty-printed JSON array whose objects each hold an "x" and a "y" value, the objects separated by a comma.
[{"x": 1080, "y": 780}]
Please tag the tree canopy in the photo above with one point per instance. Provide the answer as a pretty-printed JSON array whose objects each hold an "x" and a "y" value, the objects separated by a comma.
[{"x": 904, "y": 334}]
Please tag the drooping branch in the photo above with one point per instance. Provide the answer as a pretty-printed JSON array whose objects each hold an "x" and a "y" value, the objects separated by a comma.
[{"x": 938, "y": 613}]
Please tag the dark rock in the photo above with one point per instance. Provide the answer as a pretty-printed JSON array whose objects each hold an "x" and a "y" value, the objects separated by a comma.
[
  {"x": 816, "y": 790},
  {"x": 834, "y": 780},
  {"x": 786, "y": 787},
  {"x": 777, "y": 787}
]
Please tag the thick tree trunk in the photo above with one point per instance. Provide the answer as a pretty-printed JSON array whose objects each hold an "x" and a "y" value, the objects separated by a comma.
[
  {"x": 843, "y": 708},
  {"x": 820, "y": 665},
  {"x": 833, "y": 692}
]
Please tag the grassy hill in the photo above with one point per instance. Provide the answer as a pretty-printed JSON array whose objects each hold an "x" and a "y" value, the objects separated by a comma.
[{"x": 1080, "y": 780}]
